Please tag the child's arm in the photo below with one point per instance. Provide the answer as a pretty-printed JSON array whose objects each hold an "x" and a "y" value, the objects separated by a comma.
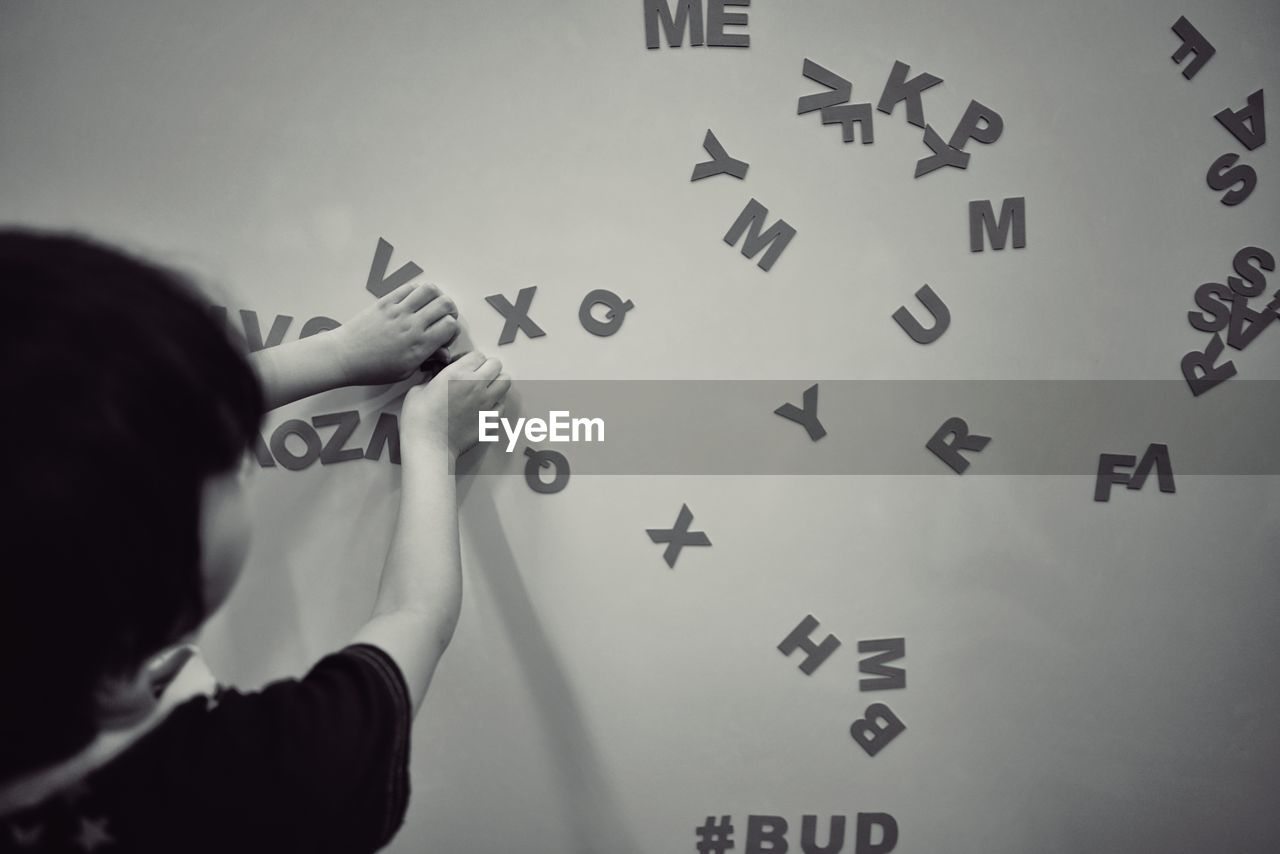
[
  {"x": 384, "y": 343},
  {"x": 420, "y": 595}
]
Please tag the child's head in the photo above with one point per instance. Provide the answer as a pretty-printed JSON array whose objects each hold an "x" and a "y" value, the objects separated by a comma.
[{"x": 127, "y": 411}]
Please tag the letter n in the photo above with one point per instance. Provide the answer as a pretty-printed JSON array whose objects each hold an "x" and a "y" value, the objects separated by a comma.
[
  {"x": 773, "y": 241},
  {"x": 982, "y": 216},
  {"x": 386, "y": 434}
]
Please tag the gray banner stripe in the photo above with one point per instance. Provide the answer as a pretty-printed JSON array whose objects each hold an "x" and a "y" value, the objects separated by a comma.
[{"x": 1055, "y": 427}]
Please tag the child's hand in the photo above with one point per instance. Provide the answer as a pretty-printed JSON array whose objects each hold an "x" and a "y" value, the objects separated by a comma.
[
  {"x": 438, "y": 413},
  {"x": 389, "y": 339}
]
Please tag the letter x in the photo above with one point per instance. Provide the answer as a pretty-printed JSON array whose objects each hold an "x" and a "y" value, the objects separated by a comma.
[
  {"x": 678, "y": 537},
  {"x": 517, "y": 316}
]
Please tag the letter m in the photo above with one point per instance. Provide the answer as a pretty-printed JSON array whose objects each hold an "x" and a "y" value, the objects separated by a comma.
[
  {"x": 982, "y": 217},
  {"x": 772, "y": 241},
  {"x": 1013, "y": 212},
  {"x": 885, "y": 649},
  {"x": 688, "y": 12}
]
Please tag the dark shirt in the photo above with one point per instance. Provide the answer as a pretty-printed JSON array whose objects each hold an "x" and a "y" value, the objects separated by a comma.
[{"x": 318, "y": 764}]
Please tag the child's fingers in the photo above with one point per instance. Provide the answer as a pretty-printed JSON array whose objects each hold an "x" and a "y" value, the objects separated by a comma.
[
  {"x": 438, "y": 309},
  {"x": 466, "y": 364},
  {"x": 441, "y": 359},
  {"x": 499, "y": 387},
  {"x": 489, "y": 370},
  {"x": 435, "y": 363},
  {"x": 420, "y": 296},
  {"x": 443, "y": 331},
  {"x": 398, "y": 294}
]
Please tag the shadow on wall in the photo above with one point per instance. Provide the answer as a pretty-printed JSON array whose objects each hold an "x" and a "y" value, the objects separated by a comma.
[{"x": 594, "y": 823}]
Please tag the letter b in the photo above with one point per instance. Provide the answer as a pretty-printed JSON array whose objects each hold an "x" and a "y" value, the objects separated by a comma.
[
  {"x": 878, "y": 728},
  {"x": 766, "y": 830}
]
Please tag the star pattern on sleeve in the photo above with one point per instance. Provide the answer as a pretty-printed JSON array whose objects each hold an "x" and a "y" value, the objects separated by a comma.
[
  {"x": 26, "y": 837},
  {"x": 93, "y": 834}
]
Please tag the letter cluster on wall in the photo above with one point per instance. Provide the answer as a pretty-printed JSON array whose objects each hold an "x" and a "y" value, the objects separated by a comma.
[
  {"x": 1226, "y": 306},
  {"x": 1223, "y": 307}
]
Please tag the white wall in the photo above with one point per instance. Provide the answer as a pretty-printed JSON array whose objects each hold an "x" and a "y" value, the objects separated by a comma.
[{"x": 1081, "y": 676}]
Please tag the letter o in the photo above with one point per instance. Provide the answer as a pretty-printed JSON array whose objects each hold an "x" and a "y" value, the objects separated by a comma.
[
  {"x": 539, "y": 459},
  {"x": 288, "y": 458}
]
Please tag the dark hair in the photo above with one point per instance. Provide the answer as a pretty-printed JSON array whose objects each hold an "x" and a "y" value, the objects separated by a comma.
[{"x": 122, "y": 395}]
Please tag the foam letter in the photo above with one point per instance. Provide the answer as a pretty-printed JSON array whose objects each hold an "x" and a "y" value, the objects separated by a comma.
[
  {"x": 1108, "y": 476},
  {"x": 982, "y": 214},
  {"x": 1246, "y": 324},
  {"x": 378, "y": 284},
  {"x": 261, "y": 453},
  {"x": 867, "y": 823},
  {"x": 539, "y": 460},
  {"x": 333, "y": 451},
  {"x": 898, "y": 89},
  {"x": 943, "y": 154},
  {"x": 816, "y": 652},
  {"x": 848, "y": 115},
  {"x": 989, "y": 131},
  {"x": 678, "y": 536},
  {"x": 1215, "y": 300},
  {"x": 718, "y": 19},
  {"x": 807, "y": 417},
  {"x": 615, "y": 312},
  {"x": 687, "y": 12},
  {"x": 949, "y": 453},
  {"x": 1223, "y": 173},
  {"x": 1192, "y": 42},
  {"x": 936, "y": 307},
  {"x": 773, "y": 241},
  {"x": 1248, "y": 125},
  {"x": 720, "y": 163},
  {"x": 878, "y": 728},
  {"x": 516, "y": 316},
  {"x": 770, "y": 830},
  {"x": 809, "y": 834},
  {"x": 841, "y": 89},
  {"x": 886, "y": 649},
  {"x": 1158, "y": 456},
  {"x": 1210, "y": 374},
  {"x": 316, "y": 325},
  {"x": 281, "y": 451},
  {"x": 1248, "y": 272},
  {"x": 386, "y": 433},
  {"x": 253, "y": 331}
]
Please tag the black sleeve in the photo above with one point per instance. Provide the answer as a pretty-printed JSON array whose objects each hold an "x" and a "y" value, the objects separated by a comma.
[{"x": 312, "y": 764}]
